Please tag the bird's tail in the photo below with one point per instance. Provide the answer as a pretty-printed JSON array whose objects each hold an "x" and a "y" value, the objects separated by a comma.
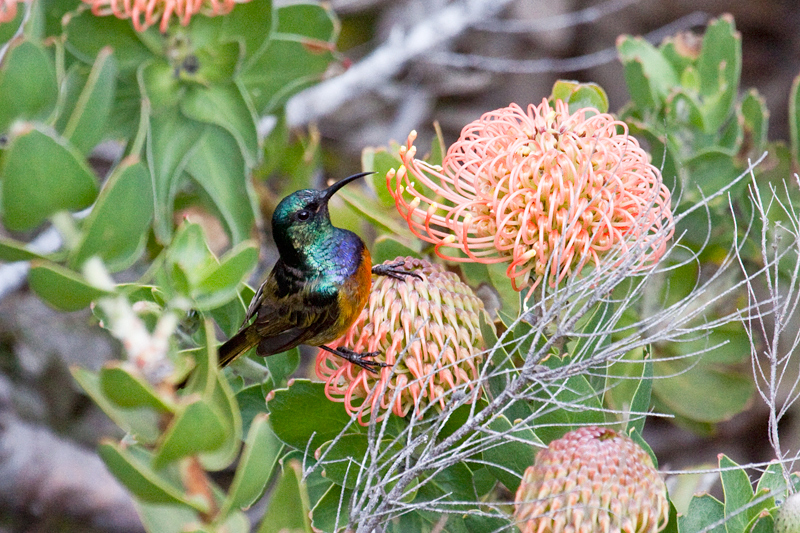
[{"x": 237, "y": 345}]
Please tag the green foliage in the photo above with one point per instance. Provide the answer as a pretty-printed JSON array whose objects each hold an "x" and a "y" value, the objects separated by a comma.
[
  {"x": 580, "y": 95},
  {"x": 42, "y": 175},
  {"x": 289, "y": 504},
  {"x": 742, "y": 510},
  {"x": 63, "y": 289},
  {"x": 116, "y": 229},
  {"x": 28, "y": 85},
  {"x": 185, "y": 105},
  {"x": 185, "y": 108},
  {"x": 685, "y": 104},
  {"x": 316, "y": 426}
]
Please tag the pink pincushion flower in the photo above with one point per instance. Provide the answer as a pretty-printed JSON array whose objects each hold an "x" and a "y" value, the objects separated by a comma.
[
  {"x": 145, "y": 13},
  {"x": 592, "y": 480},
  {"x": 434, "y": 320},
  {"x": 548, "y": 191}
]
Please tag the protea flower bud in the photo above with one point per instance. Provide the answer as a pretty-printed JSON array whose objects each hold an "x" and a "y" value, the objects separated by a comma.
[
  {"x": 788, "y": 519},
  {"x": 592, "y": 480},
  {"x": 145, "y": 13},
  {"x": 545, "y": 190},
  {"x": 428, "y": 330}
]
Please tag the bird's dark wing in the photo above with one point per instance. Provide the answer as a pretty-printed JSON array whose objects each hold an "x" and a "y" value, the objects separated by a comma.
[
  {"x": 254, "y": 303},
  {"x": 302, "y": 317}
]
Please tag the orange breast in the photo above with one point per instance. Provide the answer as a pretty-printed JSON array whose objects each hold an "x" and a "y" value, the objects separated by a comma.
[{"x": 354, "y": 294}]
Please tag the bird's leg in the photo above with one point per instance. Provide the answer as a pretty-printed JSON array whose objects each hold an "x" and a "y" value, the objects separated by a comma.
[
  {"x": 360, "y": 359},
  {"x": 393, "y": 270}
]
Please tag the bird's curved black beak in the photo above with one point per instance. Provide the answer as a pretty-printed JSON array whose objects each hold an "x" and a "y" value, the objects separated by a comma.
[{"x": 330, "y": 191}]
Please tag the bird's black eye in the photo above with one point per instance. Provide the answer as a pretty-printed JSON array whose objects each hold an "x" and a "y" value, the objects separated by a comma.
[{"x": 303, "y": 215}]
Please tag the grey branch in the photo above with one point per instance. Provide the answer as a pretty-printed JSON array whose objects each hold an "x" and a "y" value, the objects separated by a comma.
[
  {"x": 389, "y": 58},
  {"x": 570, "y": 64}
]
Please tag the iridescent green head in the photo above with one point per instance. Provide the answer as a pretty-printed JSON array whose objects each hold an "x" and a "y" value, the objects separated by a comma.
[{"x": 301, "y": 220}]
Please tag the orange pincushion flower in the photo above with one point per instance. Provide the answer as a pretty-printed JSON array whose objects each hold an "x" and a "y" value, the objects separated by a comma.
[
  {"x": 145, "y": 13},
  {"x": 546, "y": 190},
  {"x": 592, "y": 480},
  {"x": 434, "y": 320}
]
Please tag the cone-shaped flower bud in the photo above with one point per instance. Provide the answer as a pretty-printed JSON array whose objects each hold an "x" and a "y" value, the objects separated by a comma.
[
  {"x": 145, "y": 13},
  {"x": 592, "y": 480},
  {"x": 428, "y": 330},
  {"x": 788, "y": 519},
  {"x": 547, "y": 191}
]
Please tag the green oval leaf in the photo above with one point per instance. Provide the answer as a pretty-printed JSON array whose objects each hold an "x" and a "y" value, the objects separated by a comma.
[
  {"x": 307, "y": 19},
  {"x": 648, "y": 75},
  {"x": 221, "y": 285},
  {"x": 324, "y": 421},
  {"x": 87, "y": 122},
  {"x": 719, "y": 67},
  {"x": 283, "y": 68},
  {"x": 171, "y": 143},
  {"x": 218, "y": 166},
  {"x": 41, "y": 175},
  {"x": 116, "y": 230},
  {"x": 9, "y": 28},
  {"x": 87, "y": 34},
  {"x": 289, "y": 504},
  {"x": 704, "y": 510},
  {"x": 581, "y": 95},
  {"x": 508, "y": 461},
  {"x": 343, "y": 459},
  {"x": 261, "y": 452},
  {"x": 756, "y": 123},
  {"x": 157, "y": 80},
  {"x": 282, "y": 365},
  {"x": 331, "y": 512},
  {"x": 250, "y": 24},
  {"x": 11, "y": 251},
  {"x": 224, "y": 400},
  {"x": 128, "y": 389},
  {"x": 686, "y": 391},
  {"x": 197, "y": 428},
  {"x": 142, "y": 423},
  {"x": 28, "y": 86},
  {"x": 380, "y": 161},
  {"x": 63, "y": 289},
  {"x": 738, "y": 493},
  {"x": 139, "y": 478},
  {"x": 225, "y": 106},
  {"x": 225, "y": 403}
]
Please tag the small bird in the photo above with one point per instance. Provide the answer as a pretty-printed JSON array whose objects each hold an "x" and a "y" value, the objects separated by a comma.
[{"x": 318, "y": 286}]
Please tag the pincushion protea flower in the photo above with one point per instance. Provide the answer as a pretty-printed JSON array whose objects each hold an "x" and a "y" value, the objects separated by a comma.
[
  {"x": 592, "y": 480},
  {"x": 546, "y": 190},
  {"x": 788, "y": 519},
  {"x": 145, "y": 13},
  {"x": 427, "y": 330}
]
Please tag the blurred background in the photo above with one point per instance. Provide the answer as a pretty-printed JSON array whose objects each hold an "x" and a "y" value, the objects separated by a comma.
[{"x": 406, "y": 65}]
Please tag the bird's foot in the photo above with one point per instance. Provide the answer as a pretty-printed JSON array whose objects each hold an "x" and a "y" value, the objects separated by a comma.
[
  {"x": 394, "y": 270},
  {"x": 360, "y": 359}
]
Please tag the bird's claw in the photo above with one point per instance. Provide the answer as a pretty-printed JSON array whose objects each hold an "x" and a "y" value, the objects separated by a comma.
[
  {"x": 360, "y": 359},
  {"x": 393, "y": 270}
]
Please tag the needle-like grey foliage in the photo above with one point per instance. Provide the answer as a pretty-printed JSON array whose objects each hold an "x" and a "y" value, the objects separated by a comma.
[
  {"x": 773, "y": 333},
  {"x": 587, "y": 321}
]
